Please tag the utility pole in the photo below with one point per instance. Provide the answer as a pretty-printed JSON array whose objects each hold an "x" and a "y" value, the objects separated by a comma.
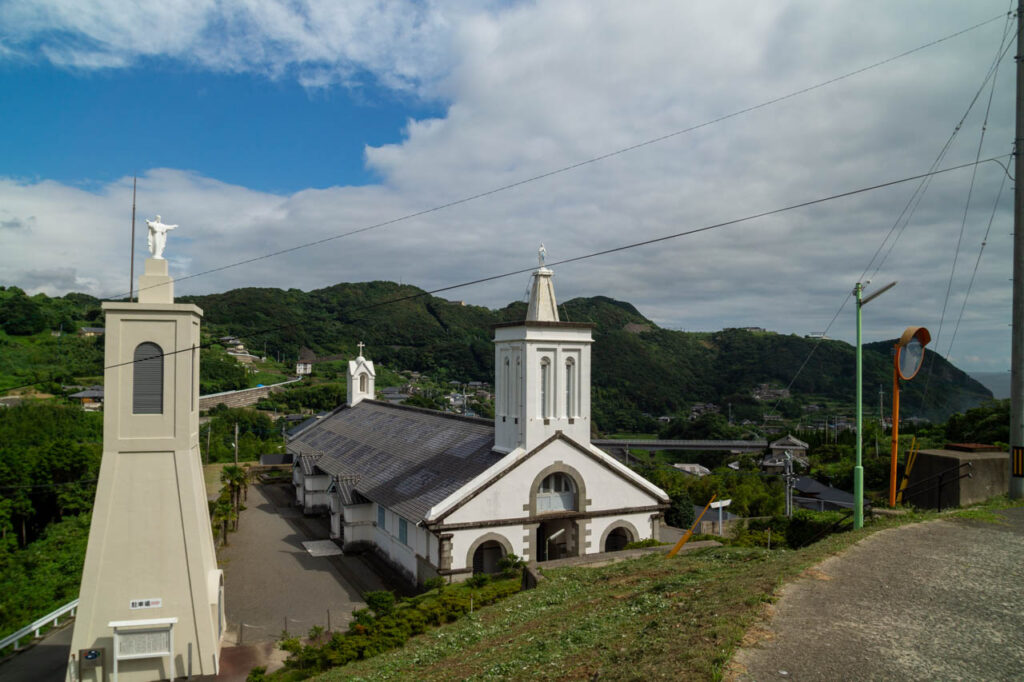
[
  {"x": 236, "y": 443},
  {"x": 858, "y": 469},
  {"x": 131, "y": 274},
  {"x": 209, "y": 430},
  {"x": 1017, "y": 343}
]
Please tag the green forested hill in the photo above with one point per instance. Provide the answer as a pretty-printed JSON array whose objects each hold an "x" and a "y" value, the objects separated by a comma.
[{"x": 637, "y": 366}]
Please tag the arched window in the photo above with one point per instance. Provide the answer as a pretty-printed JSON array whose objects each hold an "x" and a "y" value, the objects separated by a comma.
[
  {"x": 362, "y": 383},
  {"x": 148, "y": 379},
  {"x": 570, "y": 388},
  {"x": 557, "y": 492},
  {"x": 545, "y": 392},
  {"x": 506, "y": 409}
]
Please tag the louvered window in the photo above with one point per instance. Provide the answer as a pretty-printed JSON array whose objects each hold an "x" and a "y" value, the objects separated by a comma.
[{"x": 148, "y": 388}]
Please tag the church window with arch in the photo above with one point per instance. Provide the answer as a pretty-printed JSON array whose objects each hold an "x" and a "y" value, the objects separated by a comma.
[
  {"x": 148, "y": 379},
  {"x": 557, "y": 492},
  {"x": 506, "y": 408},
  {"x": 570, "y": 388},
  {"x": 545, "y": 388},
  {"x": 363, "y": 383}
]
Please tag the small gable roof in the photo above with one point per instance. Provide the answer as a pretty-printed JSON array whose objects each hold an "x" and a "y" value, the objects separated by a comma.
[
  {"x": 790, "y": 441},
  {"x": 405, "y": 458}
]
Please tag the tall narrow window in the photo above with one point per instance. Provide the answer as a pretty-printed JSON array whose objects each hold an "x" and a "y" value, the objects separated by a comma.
[
  {"x": 381, "y": 518},
  {"x": 506, "y": 409},
  {"x": 362, "y": 383},
  {"x": 403, "y": 531},
  {"x": 570, "y": 382},
  {"x": 148, "y": 379},
  {"x": 545, "y": 393}
]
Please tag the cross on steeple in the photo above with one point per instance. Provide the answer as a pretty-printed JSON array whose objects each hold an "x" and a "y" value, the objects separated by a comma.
[{"x": 361, "y": 345}]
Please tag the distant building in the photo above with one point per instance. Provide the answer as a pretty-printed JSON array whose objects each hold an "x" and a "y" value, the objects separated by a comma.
[
  {"x": 91, "y": 331},
  {"x": 304, "y": 366},
  {"x": 91, "y": 398},
  {"x": 816, "y": 496},
  {"x": 692, "y": 469},
  {"x": 775, "y": 461}
]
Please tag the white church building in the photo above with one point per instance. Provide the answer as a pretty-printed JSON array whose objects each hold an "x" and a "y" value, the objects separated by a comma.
[{"x": 441, "y": 494}]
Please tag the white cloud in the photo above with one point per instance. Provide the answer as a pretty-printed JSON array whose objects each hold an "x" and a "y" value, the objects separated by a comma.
[{"x": 535, "y": 87}]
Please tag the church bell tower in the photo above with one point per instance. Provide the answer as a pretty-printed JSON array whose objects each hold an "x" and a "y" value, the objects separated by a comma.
[
  {"x": 152, "y": 598},
  {"x": 542, "y": 373}
]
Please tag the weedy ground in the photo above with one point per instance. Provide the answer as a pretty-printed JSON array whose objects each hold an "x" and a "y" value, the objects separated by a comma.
[{"x": 656, "y": 617}]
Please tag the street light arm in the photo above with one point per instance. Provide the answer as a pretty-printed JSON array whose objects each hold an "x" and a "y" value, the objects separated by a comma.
[{"x": 878, "y": 293}]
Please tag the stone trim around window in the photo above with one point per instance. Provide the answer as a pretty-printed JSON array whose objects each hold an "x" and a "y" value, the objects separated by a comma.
[
  {"x": 619, "y": 524},
  {"x": 558, "y": 467},
  {"x": 487, "y": 537}
]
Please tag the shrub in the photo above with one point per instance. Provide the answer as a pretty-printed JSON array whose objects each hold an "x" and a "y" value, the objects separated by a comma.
[
  {"x": 435, "y": 583},
  {"x": 511, "y": 565},
  {"x": 478, "y": 580},
  {"x": 257, "y": 674},
  {"x": 808, "y": 526},
  {"x": 381, "y": 602}
]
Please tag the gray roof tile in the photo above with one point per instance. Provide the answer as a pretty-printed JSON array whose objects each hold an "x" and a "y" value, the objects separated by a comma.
[{"x": 405, "y": 458}]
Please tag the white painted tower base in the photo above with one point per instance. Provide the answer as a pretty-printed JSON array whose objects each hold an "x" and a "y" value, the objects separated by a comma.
[{"x": 150, "y": 568}]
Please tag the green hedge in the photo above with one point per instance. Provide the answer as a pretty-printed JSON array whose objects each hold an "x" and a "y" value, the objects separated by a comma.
[{"x": 387, "y": 625}]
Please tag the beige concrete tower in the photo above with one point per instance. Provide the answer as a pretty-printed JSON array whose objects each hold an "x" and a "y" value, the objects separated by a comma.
[{"x": 152, "y": 596}]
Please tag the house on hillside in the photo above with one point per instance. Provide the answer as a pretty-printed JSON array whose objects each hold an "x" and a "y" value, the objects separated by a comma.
[
  {"x": 774, "y": 462},
  {"x": 91, "y": 398},
  {"x": 304, "y": 366},
  {"x": 439, "y": 494},
  {"x": 91, "y": 331}
]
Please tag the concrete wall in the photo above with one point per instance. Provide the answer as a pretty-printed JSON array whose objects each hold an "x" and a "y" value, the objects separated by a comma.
[
  {"x": 243, "y": 397},
  {"x": 598, "y": 487},
  {"x": 990, "y": 473}
]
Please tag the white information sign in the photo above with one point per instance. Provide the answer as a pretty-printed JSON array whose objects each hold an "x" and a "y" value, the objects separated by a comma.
[
  {"x": 146, "y": 603},
  {"x": 143, "y": 644}
]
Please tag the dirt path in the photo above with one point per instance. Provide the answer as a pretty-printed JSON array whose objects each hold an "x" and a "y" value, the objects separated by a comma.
[{"x": 942, "y": 600}]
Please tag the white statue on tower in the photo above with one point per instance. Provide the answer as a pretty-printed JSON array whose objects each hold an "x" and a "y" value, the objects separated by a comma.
[
  {"x": 158, "y": 237},
  {"x": 542, "y": 254}
]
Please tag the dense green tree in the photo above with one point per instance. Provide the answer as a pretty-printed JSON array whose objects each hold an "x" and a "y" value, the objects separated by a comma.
[{"x": 21, "y": 315}]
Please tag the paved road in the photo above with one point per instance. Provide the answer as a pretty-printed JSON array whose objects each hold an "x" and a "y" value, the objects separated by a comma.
[
  {"x": 269, "y": 576},
  {"x": 934, "y": 601}
]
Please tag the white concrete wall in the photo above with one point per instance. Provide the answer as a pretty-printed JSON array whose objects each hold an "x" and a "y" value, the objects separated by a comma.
[
  {"x": 519, "y": 419},
  {"x": 507, "y": 498},
  {"x": 418, "y": 542},
  {"x": 462, "y": 542}
]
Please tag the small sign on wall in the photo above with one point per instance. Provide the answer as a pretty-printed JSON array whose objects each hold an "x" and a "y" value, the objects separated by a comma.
[{"x": 146, "y": 603}]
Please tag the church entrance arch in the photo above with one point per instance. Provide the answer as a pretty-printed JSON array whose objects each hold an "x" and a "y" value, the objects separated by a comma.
[
  {"x": 617, "y": 540},
  {"x": 618, "y": 535},
  {"x": 487, "y": 551}
]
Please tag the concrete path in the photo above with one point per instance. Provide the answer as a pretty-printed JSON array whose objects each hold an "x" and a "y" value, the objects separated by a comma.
[
  {"x": 942, "y": 600},
  {"x": 270, "y": 577}
]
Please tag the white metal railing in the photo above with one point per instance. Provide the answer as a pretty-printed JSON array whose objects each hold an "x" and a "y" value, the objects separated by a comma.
[{"x": 48, "y": 619}]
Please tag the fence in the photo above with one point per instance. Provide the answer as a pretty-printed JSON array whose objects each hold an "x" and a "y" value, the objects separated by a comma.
[{"x": 36, "y": 627}]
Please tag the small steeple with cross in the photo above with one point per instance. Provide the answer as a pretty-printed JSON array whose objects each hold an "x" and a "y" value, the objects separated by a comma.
[{"x": 361, "y": 345}]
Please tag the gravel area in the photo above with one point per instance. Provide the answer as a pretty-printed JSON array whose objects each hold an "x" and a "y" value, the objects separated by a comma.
[{"x": 933, "y": 601}]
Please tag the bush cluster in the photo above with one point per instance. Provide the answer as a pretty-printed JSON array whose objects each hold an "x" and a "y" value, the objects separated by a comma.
[
  {"x": 386, "y": 623},
  {"x": 804, "y": 528}
]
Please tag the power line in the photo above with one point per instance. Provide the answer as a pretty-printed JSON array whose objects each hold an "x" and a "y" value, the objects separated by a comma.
[
  {"x": 592, "y": 160},
  {"x": 914, "y": 201},
  {"x": 595, "y": 254},
  {"x": 963, "y": 227}
]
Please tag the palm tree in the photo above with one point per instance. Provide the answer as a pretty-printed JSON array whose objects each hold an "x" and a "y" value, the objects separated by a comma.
[
  {"x": 224, "y": 512},
  {"x": 234, "y": 479}
]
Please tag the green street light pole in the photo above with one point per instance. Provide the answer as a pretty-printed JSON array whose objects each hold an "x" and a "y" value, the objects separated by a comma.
[{"x": 858, "y": 469}]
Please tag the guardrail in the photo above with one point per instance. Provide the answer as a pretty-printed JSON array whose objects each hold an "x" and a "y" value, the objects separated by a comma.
[{"x": 36, "y": 627}]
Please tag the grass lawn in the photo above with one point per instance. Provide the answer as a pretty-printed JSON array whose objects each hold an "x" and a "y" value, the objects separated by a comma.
[{"x": 649, "y": 618}]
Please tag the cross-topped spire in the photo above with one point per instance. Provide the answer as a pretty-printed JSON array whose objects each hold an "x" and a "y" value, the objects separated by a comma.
[{"x": 361, "y": 345}]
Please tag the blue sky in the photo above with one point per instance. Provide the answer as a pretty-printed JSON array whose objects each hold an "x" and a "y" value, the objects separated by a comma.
[
  {"x": 259, "y": 125},
  {"x": 89, "y": 128}
]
